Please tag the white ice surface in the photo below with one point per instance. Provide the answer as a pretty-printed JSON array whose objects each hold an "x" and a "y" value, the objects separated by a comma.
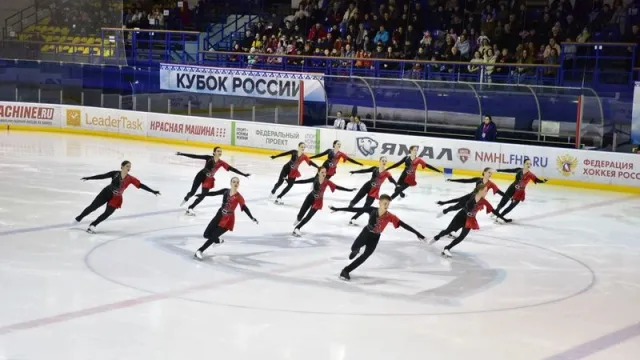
[{"x": 565, "y": 273}]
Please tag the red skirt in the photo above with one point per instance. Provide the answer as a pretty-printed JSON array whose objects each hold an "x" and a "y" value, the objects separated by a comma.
[
  {"x": 375, "y": 192},
  {"x": 519, "y": 195},
  {"x": 227, "y": 221},
  {"x": 332, "y": 170},
  {"x": 317, "y": 204},
  {"x": 471, "y": 223},
  {"x": 410, "y": 180},
  {"x": 294, "y": 174},
  {"x": 208, "y": 182},
  {"x": 115, "y": 201}
]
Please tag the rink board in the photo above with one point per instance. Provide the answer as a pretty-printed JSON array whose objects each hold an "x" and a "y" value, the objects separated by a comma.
[{"x": 567, "y": 167}]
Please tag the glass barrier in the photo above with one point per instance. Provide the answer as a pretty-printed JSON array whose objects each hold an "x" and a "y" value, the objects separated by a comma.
[{"x": 524, "y": 112}]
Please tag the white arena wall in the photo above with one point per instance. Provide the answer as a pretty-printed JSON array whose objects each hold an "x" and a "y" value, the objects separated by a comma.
[{"x": 567, "y": 167}]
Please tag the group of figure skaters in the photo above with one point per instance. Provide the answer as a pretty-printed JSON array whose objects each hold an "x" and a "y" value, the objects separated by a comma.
[{"x": 467, "y": 206}]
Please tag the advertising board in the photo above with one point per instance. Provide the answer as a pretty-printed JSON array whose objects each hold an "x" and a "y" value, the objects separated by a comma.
[
  {"x": 29, "y": 114},
  {"x": 102, "y": 119},
  {"x": 275, "y": 137},
  {"x": 189, "y": 128}
]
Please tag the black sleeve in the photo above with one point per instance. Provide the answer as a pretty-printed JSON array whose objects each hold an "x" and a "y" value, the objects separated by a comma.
[
  {"x": 338, "y": 187},
  {"x": 290, "y": 152},
  {"x": 234, "y": 170},
  {"x": 311, "y": 163},
  {"x": 305, "y": 181},
  {"x": 146, "y": 188},
  {"x": 433, "y": 168},
  {"x": 355, "y": 210},
  {"x": 500, "y": 192},
  {"x": 539, "y": 181},
  {"x": 353, "y": 161},
  {"x": 396, "y": 164},
  {"x": 193, "y": 156},
  {"x": 324, "y": 153},
  {"x": 213, "y": 193},
  {"x": 466, "y": 181},
  {"x": 511, "y": 171},
  {"x": 246, "y": 211},
  {"x": 409, "y": 228},
  {"x": 363, "y": 171},
  {"x": 393, "y": 181},
  {"x": 108, "y": 175}
]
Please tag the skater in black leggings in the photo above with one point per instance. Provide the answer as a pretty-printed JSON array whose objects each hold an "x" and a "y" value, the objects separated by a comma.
[
  {"x": 371, "y": 189},
  {"x": 290, "y": 170},
  {"x": 465, "y": 219},
  {"x": 225, "y": 217},
  {"x": 516, "y": 191},
  {"x": 461, "y": 201},
  {"x": 379, "y": 218},
  {"x": 408, "y": 176},
  {"x": 206, "y": 176},
  {"x": 111, "y": 194},
  {"x": 313, "y": 202},
  {"x": 334, "y": 156}
]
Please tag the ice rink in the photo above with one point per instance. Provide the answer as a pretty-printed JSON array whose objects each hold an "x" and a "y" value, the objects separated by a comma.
[{"x": 561, "y": 282}]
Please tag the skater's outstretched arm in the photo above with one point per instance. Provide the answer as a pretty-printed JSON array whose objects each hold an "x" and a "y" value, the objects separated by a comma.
[
  {"x": 146, "y": 188},
  {"x": 193, "y": 156},
  {"x": 338, "y": 187},
  {"x": 465, "y": 181},
  {"x": 311, "y": 163},
  {"x": 353, "y": 161},
  {"x": 540, "y": 181},
  {"x": 324, "y": 153},
  {"x": 511, "y": 171},
  {"x": 392, "y": 180},
  {"x": 234, "y": 170},
  {"x": 305, "y": 181},
  {"x": 432, "y": 168},
  {"x": 396, "y": 164},
  {"x": 364, "y": 171},
  {"x": 409, "y": 228},
  {"x": 213, "y": 193},
  {"x": 354, "y": 209},
  {"x": 108, "y": 175},
  {"x": 290, "y": 153},
  {"x": 245, "y": 209}
]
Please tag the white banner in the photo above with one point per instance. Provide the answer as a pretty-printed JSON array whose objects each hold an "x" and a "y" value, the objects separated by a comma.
[
  {"x": 29, "y": 114},
  {"x": 189, "y": 128},
  {"x": 275, "y": 137},
  {"x": 102, "y": 119},
  {"x": 548, "y": 162},
  {"x": 242, "y": 82}
]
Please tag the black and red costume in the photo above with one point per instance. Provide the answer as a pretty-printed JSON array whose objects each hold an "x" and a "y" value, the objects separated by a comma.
[
  {"x": 225, "y": 218},
  {"x": 111, "y": 195},
  {"x": 290, "y": 171},
  {"x": 371, "y": 189},
  {"x": 370, "y": 235},
  {"x": 408, "y": 176},
  {"x": 516, "y": 191},
  {"x": 461, "y": 201},
  {"x": 333, "y": 158},
  {"x": 314, "y": 200},
  {"x": 206, "y": 176}
]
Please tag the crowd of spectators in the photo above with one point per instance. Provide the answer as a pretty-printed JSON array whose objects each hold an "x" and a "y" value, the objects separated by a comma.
[{"x": 470, "y": 31}]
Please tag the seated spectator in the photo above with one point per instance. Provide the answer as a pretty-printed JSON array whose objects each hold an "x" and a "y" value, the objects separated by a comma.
[
  {"x": 474, "y": 66},
  {"x": 339, "y": 122},
  {"x": 356, "y": 125},
  {"x": 382, "y": 36},
  {"x": 487, "y": 131}
]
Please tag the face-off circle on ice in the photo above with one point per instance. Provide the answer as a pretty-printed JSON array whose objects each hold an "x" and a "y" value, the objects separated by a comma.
[{"x": 425, "y": 285}]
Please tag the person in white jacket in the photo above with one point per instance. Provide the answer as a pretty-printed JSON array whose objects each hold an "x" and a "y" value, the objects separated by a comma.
[
  {"x": 356, "y": 125},
  {"x": 339, "y": 122}
]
